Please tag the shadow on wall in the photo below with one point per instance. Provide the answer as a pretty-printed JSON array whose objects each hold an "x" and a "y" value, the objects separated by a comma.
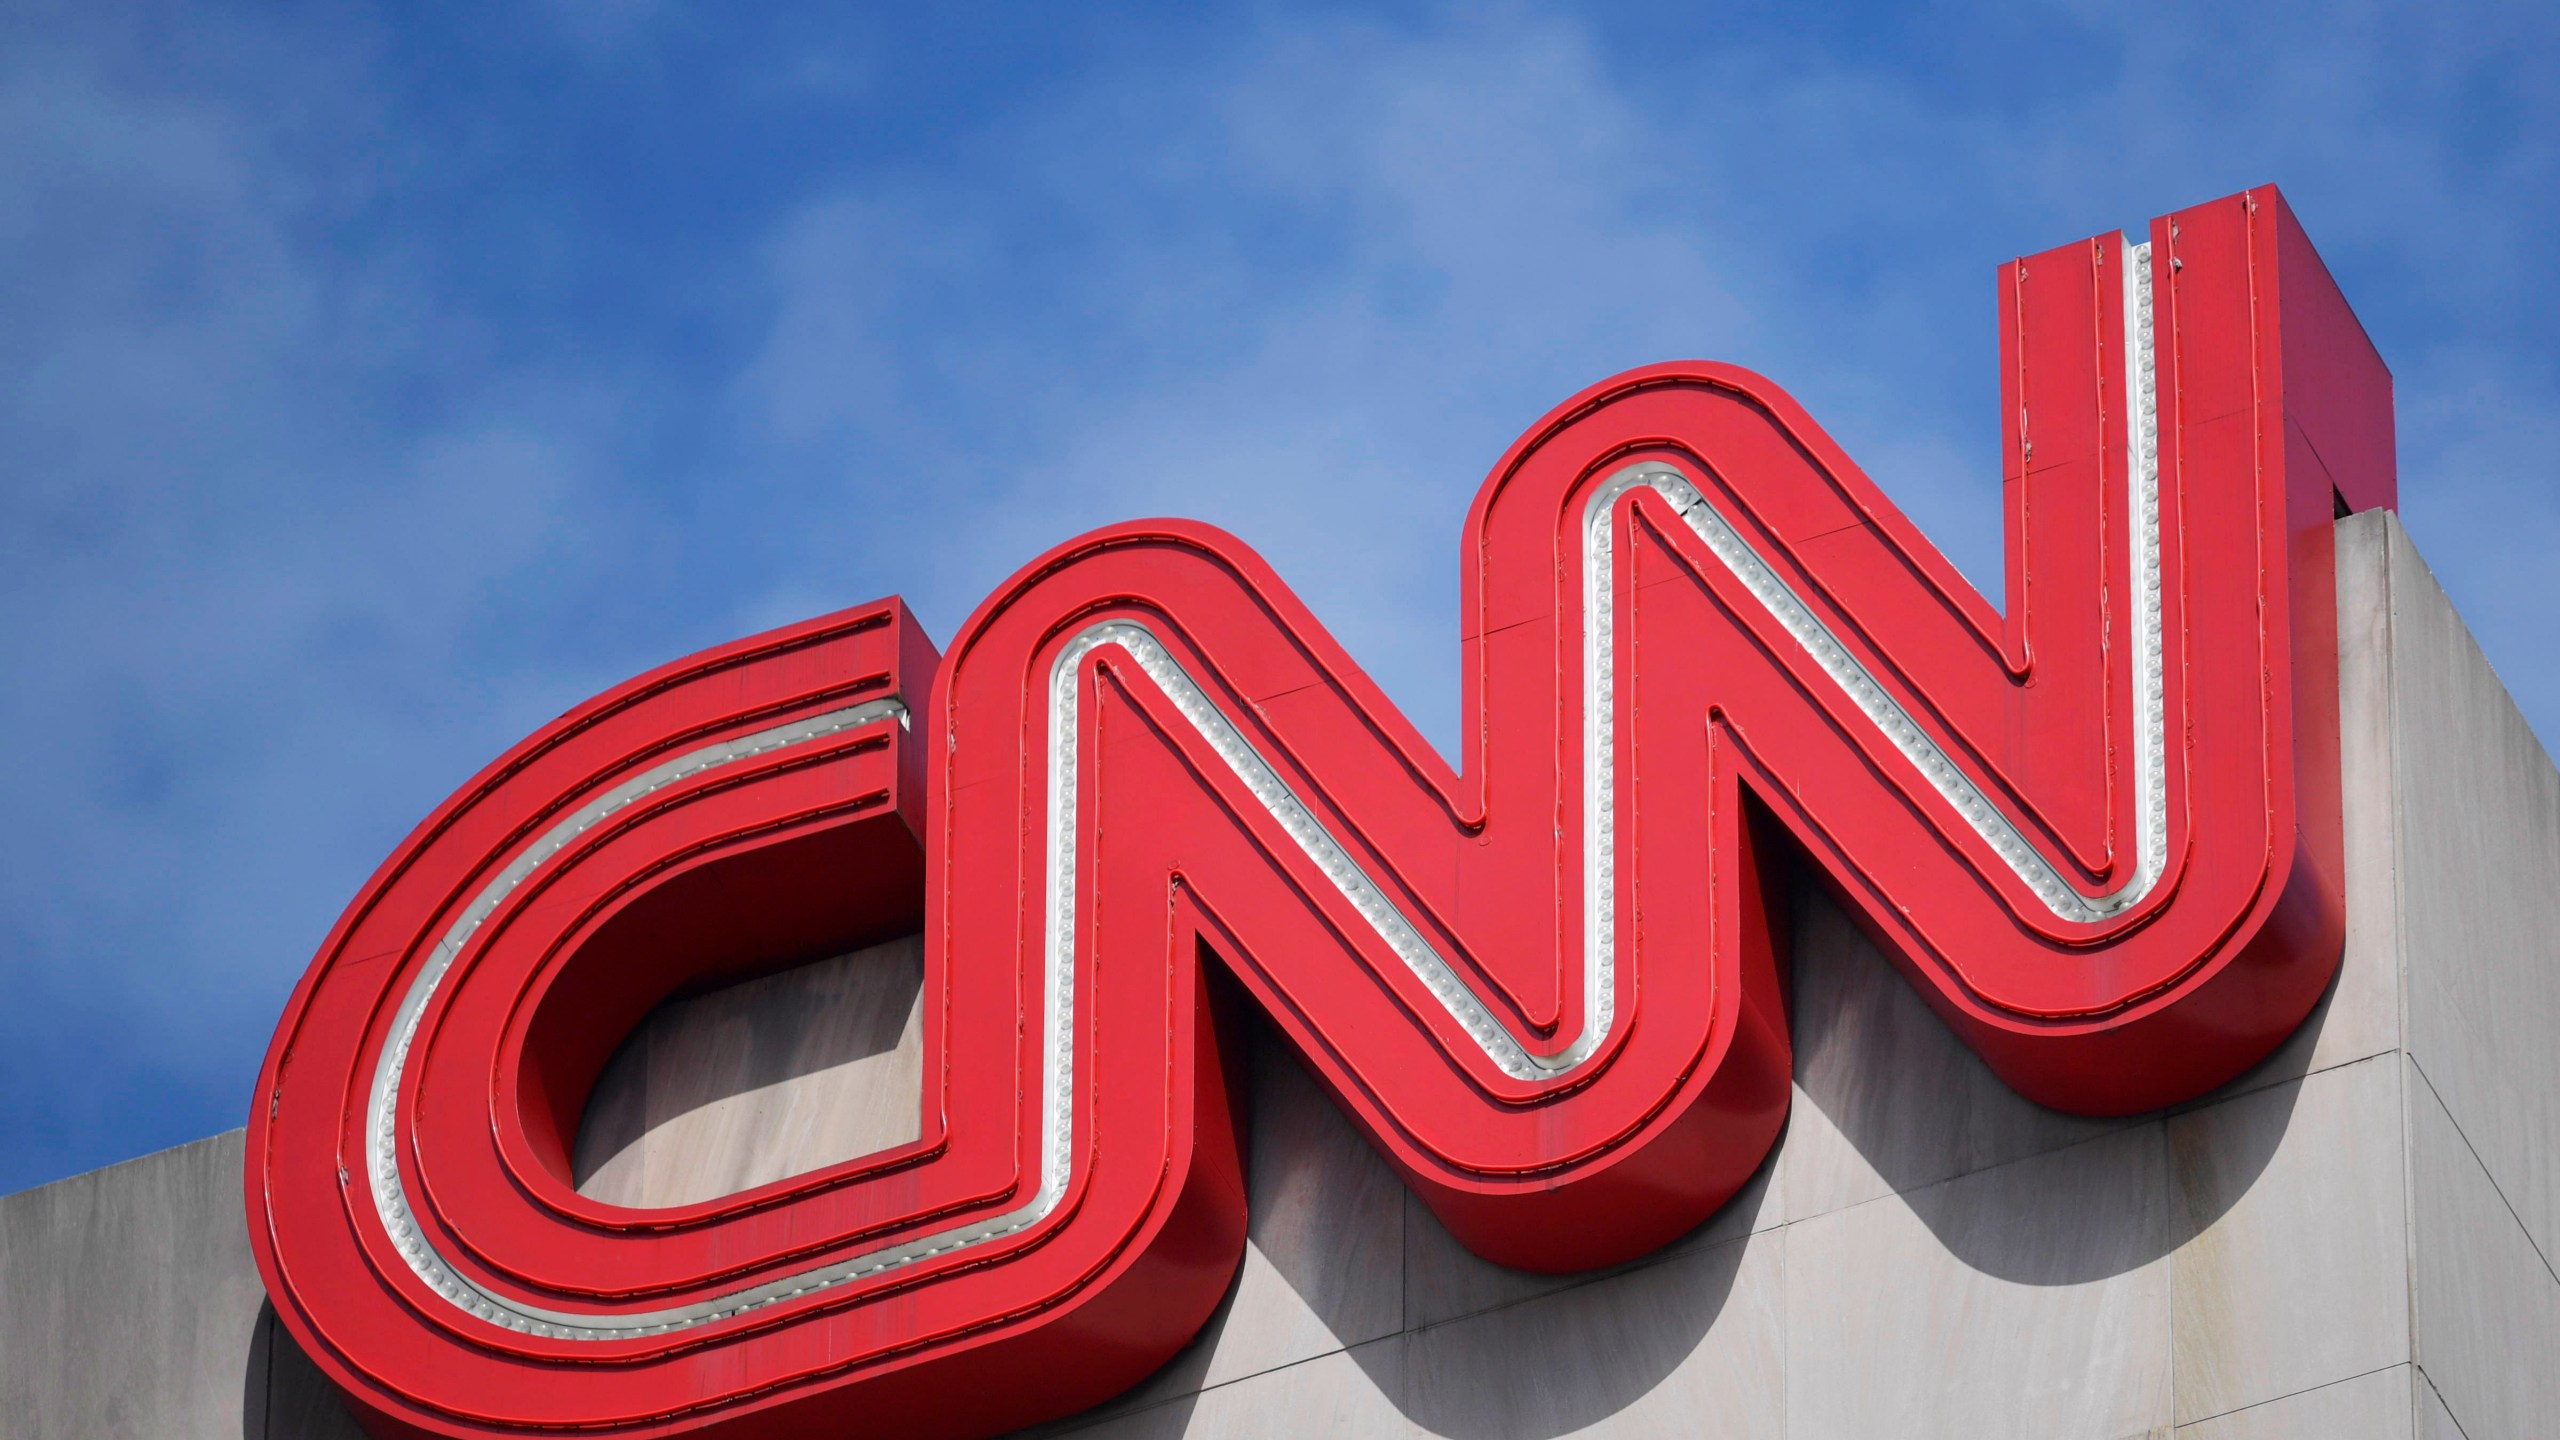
[
  {"x": 284, "y": 1396},
  {"x": 747, "y": 1084},
  {"x": 1890, "y": 1104}
]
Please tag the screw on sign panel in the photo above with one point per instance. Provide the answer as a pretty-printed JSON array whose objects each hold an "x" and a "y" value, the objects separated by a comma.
[{"x": 2097, "y": 828}]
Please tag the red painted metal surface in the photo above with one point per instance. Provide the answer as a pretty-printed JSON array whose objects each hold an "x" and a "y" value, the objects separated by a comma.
[{"x": 1142, "y": 761}]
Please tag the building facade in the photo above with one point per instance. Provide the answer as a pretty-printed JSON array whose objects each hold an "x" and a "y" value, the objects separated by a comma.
[{"x": 2356, "y": 1239}]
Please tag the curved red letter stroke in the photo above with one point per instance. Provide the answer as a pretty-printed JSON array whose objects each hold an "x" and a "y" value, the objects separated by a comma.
[{"x": 2098, "y": 830}]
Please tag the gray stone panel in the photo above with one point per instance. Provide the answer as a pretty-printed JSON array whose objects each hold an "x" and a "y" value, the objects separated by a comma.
[
  {"x": 2361, "y": 1016},
  {"x": 130, "y": 1307},
  {"x": 1330, "y": 1395},
  {"x": 2488, "y": 1308},
  {"x": 128, "y": 1303},
  {"x": 1444, "y": 1281},
  {"x": 2027, "y": 1301},
  {"x": 2434, "y": 1421},
  {"x": 1887, "y": 1099},
  {"x": 2480, "y": 896},
  {"x": 1325, "y": 1241},
  {"x": 1695, "y": 1344},
  {"x": 756, "y": 1082},
  {"x": 2293, "y": 1268},
  {"x": 1691, "y": 1344},
  {"x": 2375, "y": 1406}
]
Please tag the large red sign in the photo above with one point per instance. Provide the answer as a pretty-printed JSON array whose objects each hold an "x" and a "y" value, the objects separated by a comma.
[{"x": 2097, "y": 827}]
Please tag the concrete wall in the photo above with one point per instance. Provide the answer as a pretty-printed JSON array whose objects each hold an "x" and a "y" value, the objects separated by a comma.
[
  {"x": 129, "y": 1307},
  {"x": 2354, "y": 1241},
  {"x": 2474, "y": 898},
  {"x": 744, "y": 1086}
]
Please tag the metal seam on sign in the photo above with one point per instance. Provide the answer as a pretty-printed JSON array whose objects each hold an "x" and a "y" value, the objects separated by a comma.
[{"x": 1330, "y": 856}]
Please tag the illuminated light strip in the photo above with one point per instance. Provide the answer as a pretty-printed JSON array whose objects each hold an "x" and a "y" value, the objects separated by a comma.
[
  {"x": 2150, "y": 693},
  {"x": 1330, "y": 856},
  {"x": 382, "y": 1145}
]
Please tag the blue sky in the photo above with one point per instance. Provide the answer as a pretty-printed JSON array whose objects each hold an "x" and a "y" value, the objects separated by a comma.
[{"x": 376, "y": 383}]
